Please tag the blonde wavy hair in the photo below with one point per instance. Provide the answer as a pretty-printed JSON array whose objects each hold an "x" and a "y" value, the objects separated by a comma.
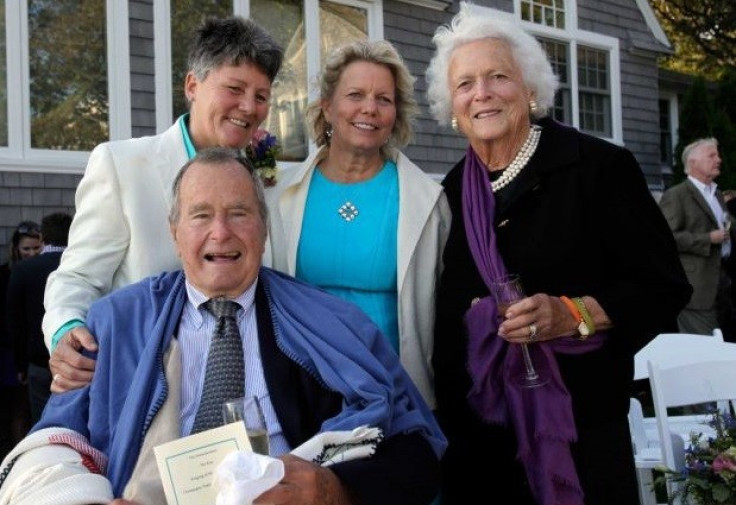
[{"x": 381, "y": 53}]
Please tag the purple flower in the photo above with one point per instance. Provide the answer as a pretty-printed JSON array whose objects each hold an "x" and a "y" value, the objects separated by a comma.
[{"x": 262, "y": 152}]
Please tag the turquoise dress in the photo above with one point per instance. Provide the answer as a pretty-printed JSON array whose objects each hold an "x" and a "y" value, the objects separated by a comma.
[{"x": 348, "y": 244}]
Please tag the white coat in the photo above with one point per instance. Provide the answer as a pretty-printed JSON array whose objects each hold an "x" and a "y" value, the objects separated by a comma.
[
  {"x": 120, "y": 232},
  {"x": 424, "y": 219}
]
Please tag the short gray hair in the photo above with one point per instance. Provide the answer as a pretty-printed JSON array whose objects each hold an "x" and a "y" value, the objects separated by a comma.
[
  {"x": 468, "y": 26},
  {"x": 688, "y": 151},
  {"x": 218, "y": 156},
  {"x": 381, "y": 53},
  {"x": 232, "y": 41}
]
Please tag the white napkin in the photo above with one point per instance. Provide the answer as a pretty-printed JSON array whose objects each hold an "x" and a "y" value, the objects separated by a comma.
[
  {"x": 243, "y": 475},
  {"x": 332, "y": 447}
]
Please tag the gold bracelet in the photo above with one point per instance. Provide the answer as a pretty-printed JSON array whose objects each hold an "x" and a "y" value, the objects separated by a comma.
[{"x": 580, "y": 303}]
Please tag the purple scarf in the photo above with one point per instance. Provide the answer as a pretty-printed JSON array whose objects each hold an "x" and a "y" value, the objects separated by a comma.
[{"x": 541, "y": 417}]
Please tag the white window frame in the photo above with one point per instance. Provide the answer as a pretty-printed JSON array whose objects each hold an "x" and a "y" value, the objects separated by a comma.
[
  {"x": 674, "y": 107},
  {"x": 572, "y": 36},
  {"x": 19, "y": 156},
  {"x": 517, "y": 8},
  {"x": 162, "y": 45}
]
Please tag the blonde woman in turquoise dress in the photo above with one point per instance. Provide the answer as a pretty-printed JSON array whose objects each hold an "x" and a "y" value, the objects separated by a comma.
[{"x": 358, "y": 218}]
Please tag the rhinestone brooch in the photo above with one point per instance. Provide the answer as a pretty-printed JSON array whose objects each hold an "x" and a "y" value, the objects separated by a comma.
[{"x": 348, "y": 211}]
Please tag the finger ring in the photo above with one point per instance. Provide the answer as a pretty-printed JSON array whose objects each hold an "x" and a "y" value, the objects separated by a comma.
[
  {"x": 56, "y": 377},
  {"x": 532, "y": 332}
]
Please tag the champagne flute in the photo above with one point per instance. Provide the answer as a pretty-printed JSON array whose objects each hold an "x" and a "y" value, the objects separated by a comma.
[
  {"x": 248, "y": 410},
  {"x": 506, "y": 291}
]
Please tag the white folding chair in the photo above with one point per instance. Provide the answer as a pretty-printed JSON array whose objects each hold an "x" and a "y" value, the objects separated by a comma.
[
  {"x": 678, "y": 348},
  {"x": 647, "y": 455},
  {"x": 689, "y": 384}
]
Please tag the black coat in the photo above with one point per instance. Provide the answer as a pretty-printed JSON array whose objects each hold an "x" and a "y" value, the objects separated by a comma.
[
  {"x": 25, "y": 308},
  {"x": 578, "y": 220}
]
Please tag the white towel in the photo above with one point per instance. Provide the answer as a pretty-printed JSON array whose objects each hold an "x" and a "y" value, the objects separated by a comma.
[
  {"x": 243, "y": 475},
  {"x": 333, "y": 447},
  {"x": 54, "y": 466}
]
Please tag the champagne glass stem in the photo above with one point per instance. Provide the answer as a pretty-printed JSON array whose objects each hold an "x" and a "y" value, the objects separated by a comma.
[
  {"x": 506, "y": 291},
  {"x": 531, "y": 373}
]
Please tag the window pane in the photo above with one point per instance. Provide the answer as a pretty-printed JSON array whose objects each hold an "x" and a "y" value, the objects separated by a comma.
[
  {"x": 558, "y": 57},
  {"x": 525, "y": 11},
  {"x": 3, "y": 80},
  {"x": 593, "y": 68},
  {"x": 68, "y": 74},
  {"x": 186, "y": 15},
  {"x": 560, "y": 20},
  {"x": 665, "y": 133},
  {"x": 595, "y": 113},
  {"x": 284, "y": 20},
  {"x": 594, "y": 96},
  {"x": 340, "y": 24},
  {"x": 549, "y": 17},
  {"x": 562, "y": 110},
  {"x": 544, "y": 12},
  {"x": 537, "y": 10}
]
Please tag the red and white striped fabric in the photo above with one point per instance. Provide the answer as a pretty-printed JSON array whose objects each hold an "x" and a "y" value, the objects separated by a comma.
[{"x": 54, "y": 466}]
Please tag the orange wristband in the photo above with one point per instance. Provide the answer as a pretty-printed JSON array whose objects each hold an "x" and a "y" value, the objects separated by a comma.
[{"x": 572, "y": 308}]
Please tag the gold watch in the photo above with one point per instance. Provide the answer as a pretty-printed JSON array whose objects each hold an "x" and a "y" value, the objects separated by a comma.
[
  {"x": 586, "y": 327},
  {"x": 573, "y": 306},
  {"x": 583, "y": 330}
]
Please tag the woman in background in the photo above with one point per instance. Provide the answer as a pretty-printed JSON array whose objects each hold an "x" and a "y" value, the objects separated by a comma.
[
  {"x": 25, "y": 242},
  {"x": 572, "y": 215},
  {"x": 358, "y": 218}
]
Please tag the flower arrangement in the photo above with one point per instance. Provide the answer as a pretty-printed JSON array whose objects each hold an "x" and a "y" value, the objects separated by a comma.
[
  {"x": 709, "y": 476},
  {"x": 262, "y": 152}
]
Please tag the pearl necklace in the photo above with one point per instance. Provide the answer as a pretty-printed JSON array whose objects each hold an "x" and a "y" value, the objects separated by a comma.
[{"x": 520, "y": 161}]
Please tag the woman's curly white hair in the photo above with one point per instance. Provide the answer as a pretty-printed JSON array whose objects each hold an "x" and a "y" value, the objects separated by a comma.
[{"x": 468, "y": 26}]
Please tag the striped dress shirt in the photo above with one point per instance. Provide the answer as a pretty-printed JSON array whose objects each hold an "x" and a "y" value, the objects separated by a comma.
[{"x": 196, "y": 328}]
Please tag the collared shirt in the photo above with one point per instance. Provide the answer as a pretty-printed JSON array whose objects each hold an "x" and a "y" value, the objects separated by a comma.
[
  {"x": 196, "y": 327},
  {"x": 49, "y": 248},
  {"x": 709, "y": 193},
  {"x": 188, "y": 144}
]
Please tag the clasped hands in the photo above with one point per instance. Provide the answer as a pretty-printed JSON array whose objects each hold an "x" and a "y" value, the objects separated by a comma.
[{"x": 719, "y": 236}]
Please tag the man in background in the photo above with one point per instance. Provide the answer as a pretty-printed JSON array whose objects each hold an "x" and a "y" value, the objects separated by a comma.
[
  {"x": 25, "y": 310},
  {"x": 697, "y": 215}
]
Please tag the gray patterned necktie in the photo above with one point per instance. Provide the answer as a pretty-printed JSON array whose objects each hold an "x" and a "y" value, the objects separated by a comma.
[{"x": 224, "y": 377}]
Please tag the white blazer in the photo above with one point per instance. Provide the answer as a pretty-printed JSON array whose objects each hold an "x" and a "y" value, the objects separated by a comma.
[
  {"x": 120, "y": 232},
  {"x": 424, "y": 222}
]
